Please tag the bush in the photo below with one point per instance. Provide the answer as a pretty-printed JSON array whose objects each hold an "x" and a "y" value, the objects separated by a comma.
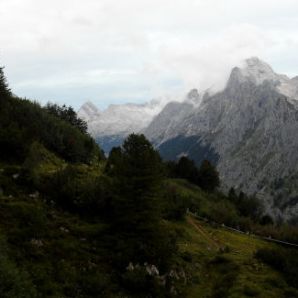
[
  {"x": 13, "y": 282},
  {"x": 249, "y": 206},
  {"x": 29, "y": 220},
  {"x": 77, "y": 189},
  {"x": 283, "y": 260},
  {"x": 175, "y": 205},
  {"x": 221, "y": 212},
  {"x": 228, "y": 271},
  {"x": 139, "y": 283},
  {"x": 266, "y": 220},
  {"x": 245, "y": 224},
  {"x": 95, "y": 284}
]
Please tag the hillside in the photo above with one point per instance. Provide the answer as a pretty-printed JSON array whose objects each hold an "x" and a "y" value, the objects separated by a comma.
[
  {"x": 222, "y": 262},
  {"x": 47, "y": 251},
  {"x": 233, "y": 273}
]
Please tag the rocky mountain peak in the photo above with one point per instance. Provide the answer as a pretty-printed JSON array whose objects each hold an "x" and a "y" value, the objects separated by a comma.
[
  {"x": 254, "y": 63},
  {"x": 258, "y": 71},
  {"x": 235, "y": 77},
  {"x": 193, "y": 93},
  {"x": 193, "y": 97},
  {"x": 88, "y": 111},
  {"x": 255, "y": 71}
]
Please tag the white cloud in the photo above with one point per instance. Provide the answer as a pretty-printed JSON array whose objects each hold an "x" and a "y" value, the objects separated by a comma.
[{"x": 109, "y": 50}]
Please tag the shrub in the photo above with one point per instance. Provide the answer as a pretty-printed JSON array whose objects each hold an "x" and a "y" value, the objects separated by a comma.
[
  {"x": 221, "y": 212},
  {"x": 77, "y": 189},
  {"x": 228, "y": 271},
  {"x": 29, "y": 220},
  {"x": 139, "y": 283},
  {"x": 13, "y": 282},
  {"x": 175, "y": 205},
  {"x": 283, "y": 260}
]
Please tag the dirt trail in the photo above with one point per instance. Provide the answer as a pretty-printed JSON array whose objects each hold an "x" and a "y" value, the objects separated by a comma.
[{"x": 205, "y": 234}]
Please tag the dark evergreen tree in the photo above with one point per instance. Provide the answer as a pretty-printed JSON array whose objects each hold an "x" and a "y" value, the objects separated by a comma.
[
  {"x": 67, "y": 114},
  {"x": 4, "y": 89},
  {"x": 266, "y": 220},
  {"x": 232, "y": 196},
  {"x": 138, "y": 176},
  {"x": 114, "y": 160},
  {"x": 249, "y": 206},
  {"x": 208, "y": 176},
  {"x": 187, "y": 169},
  {"x": 170, "y": 168}
]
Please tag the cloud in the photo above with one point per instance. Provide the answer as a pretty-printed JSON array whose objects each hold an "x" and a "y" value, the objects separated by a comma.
[
  {"x": 206, "y": 62},
  {"x": 112, "y": 50}
]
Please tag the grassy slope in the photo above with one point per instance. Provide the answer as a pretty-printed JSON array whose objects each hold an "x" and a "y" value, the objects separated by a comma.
[
  {"x": 246, "y": 275},
  {"x": 57, "y": 249},
  {"x": 231, "y": 272}
]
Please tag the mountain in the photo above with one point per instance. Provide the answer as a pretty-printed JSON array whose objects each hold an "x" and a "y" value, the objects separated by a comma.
[
  {"x": 174, "y": 112},
  {"x": 258, "y": 71},
  {"x": 112, "y": 125},
  {"x": 88, "y": 111},
  {"x": 249, "y": 130}
]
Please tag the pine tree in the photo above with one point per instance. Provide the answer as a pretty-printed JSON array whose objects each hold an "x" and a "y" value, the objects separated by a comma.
[
  {"x": 67, "y": 114},
  {"x": 115, "y": 158},
  {"x": 208, "y": 176},
  {"x": 187, "y": 169},
  {"x": 4, "y": 89},
  {"x": 232, "y": 196},
  {"x": 138, "y": 176}
]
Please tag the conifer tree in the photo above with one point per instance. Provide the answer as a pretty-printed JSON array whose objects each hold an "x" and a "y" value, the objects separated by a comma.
[
  {"x": 4, "y": 89},
  {"x": 232, "y": 196},
  {"x": 67, "y": 114},
  {"x": 187, "y": 169},
  {"x": 138, "y": 176},
  {"x": 208, "y": 176}
]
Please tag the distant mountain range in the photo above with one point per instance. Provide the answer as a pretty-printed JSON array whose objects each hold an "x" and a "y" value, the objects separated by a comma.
[
  {"x": 112, "y": 125},
  {"x": 249, "y": 130}
]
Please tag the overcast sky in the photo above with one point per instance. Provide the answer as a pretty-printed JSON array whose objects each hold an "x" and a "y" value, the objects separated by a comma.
[{"x": 114, "y": 51}]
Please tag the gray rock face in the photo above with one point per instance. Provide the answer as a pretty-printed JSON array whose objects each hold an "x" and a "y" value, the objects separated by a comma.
[
  {"x": 162, "y": 125},
  {"x": 252, "y": 126},
  {"x": 88, "y": 111},
  {"x": 111, "y": 126}
]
